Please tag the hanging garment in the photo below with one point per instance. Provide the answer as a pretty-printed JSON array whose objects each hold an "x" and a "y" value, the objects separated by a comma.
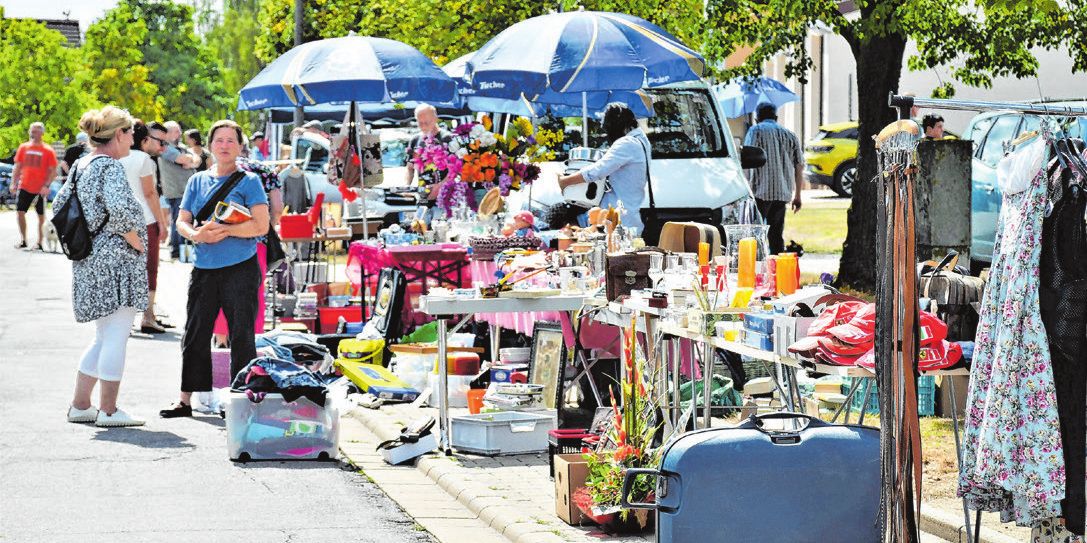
[
  {"x": 1063, "y": 297},
  {"x": 1012, "y": 454}
]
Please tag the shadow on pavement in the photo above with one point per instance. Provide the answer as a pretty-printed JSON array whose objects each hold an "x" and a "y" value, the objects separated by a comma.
[{"x": 143, "y": 438}]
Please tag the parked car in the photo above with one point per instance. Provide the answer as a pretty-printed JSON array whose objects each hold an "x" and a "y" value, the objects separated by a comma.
[
  {"x": 388, "y": 203},
  {"x": 7, "y": 199},
  {"x": 989, "y": 131},
  {"x": 831, "y": 157}
]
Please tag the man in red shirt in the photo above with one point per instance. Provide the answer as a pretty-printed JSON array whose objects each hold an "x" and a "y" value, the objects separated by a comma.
[{"x": 35, "y": 167}]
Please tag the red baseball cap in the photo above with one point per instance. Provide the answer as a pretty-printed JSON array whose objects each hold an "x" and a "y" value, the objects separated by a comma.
[
  {"x": 836, "y": 345},
  {"x": 936, "y": 355},
  {"x": 826, "y": 356},
  {"x": 860, "y": 329},
  {"x": 837, "y": 314}
]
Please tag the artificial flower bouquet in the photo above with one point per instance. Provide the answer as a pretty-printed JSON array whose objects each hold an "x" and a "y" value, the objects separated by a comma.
[{"x": 478, "y": 159}]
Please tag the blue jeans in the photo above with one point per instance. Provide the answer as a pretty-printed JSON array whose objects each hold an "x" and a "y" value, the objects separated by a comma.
[{"x": 175, "y": 238}]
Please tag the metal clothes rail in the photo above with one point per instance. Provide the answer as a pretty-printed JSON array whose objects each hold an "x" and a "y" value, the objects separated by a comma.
[{"x": 906, "y": 103}]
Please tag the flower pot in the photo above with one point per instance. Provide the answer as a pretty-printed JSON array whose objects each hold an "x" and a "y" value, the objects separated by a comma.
[{"x": 611, "y": 519}]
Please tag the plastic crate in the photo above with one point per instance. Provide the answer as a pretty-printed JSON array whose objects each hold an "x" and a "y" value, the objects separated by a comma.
[
  {"x": 501, "y": 433},
  {"x": 926, "y": 396},
  {"x": 567, "y": 441}
]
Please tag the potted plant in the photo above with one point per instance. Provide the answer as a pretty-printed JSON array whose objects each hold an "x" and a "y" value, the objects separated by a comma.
[{"x": 627, "y": 443}]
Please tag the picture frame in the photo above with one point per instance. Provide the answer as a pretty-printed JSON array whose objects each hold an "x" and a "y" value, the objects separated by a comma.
[{"x": 547, "y": 361}]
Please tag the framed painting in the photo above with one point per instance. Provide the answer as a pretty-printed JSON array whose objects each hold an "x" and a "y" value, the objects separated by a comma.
[{"x": 546, "y": 364}]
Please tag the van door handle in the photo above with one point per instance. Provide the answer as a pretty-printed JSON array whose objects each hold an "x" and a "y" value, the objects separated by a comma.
[{"x": 988, "y": 188}]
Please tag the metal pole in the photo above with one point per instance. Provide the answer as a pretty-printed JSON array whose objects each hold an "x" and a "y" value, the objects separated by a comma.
[
  {"x": 584, "y": 119},
  {"x": 445, "y": 443},
  {"x": 958, "y": 450},
  {"x": 937, "y": 103},
  {"x": 299, "y": 10}
]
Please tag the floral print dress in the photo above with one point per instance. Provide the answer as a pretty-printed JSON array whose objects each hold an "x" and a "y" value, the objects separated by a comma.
[
  {"x": 114, "y": 275},
  {"x": 1012, "y": 453}
]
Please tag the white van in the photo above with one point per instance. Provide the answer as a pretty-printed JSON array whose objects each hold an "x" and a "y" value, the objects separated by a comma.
[{"x": 696, "y": 171}]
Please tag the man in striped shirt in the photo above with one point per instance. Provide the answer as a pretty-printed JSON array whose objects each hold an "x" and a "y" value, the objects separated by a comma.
[{"x": 779, "y": 180}]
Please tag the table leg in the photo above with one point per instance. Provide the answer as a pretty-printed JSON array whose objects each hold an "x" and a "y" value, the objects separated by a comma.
[
  {"x": 847, "y": 404},
  {"x": 677, "y": 360},
  {"x": 707, "y": 381},
  {"x": 864, "y": 399},
  {"x": 958, "y": 452},
  {"x": 495, "y": 331},
  {"x": 445, "y": 443}
]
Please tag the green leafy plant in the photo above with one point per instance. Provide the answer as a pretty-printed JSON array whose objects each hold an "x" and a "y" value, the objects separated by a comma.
[{"x": 631, "y": 435}]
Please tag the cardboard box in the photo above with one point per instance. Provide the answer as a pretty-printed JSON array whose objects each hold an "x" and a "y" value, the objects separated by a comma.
[
  {"x": 787, "y": 330},
  {"x": 703, "y": 322},
  {"x": 571, "y": 473}
]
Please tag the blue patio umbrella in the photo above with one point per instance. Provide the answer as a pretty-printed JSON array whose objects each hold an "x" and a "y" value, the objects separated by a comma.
[
  {"x": 740, "y": 97},
  {"x": 335, "y": 111},
  {"x": 559, "y": 104},
  {"x": 580, "y": 51},
  {"x": 351, "y": 68}
]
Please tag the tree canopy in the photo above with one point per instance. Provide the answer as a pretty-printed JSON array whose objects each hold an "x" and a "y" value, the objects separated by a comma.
[
  {"x": 115, "y": 66},
  {"x": 37, "y": 75},
  {"x": 993, "y": 38}
]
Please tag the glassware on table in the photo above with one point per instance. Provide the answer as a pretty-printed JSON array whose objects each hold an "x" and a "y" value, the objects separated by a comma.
[
  {"x": 656, "y": 269},
  {"x": 747, "y": 249}
]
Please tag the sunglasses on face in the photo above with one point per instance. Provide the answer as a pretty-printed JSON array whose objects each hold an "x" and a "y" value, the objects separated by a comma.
[{"x": 160, "y": 140}]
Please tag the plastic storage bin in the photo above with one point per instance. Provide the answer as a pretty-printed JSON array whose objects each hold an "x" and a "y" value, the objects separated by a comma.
[
  {"x": 495, "y": 434},
  {"x": 926, "y": 396},
  {"x": 458, "y": 386},
  {"x": 276, "y": 430},
  {"x": 566, "y": 441}
]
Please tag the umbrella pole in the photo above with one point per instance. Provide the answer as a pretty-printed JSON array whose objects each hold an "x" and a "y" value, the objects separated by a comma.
[
  {"x": 584, "y": 119},
  {"x": 356, "y": 116}
]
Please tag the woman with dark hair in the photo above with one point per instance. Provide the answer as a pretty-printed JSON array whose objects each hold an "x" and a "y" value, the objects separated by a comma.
[
  {"x": 625, "y": 165},
  {"x": 109, "y": 287},
  {"x": 225, "y": 274},
  {"x": 140, "y": 171},
  {"x": 195, "y": 140}
]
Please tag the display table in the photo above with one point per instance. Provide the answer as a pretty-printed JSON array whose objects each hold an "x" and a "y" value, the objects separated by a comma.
[
  {"x": 443, "y": 309},
  {"x": 484, "y": 271},
  {"x": 443, "y": 263}
]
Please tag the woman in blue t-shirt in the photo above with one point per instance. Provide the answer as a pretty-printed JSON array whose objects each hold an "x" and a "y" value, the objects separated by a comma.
[{"x": 225, "y": 273}]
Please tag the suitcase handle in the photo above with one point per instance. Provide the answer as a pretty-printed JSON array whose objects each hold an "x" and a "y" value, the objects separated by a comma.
[
  {"x": 629, "y": 476},
  {"x": 756, "y": 421}
]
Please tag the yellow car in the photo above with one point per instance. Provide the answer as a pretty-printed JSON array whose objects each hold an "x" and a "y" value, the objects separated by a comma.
[{"x": 832, "y": 157}]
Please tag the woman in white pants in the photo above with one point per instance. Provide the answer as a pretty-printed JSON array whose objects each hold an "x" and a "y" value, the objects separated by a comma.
[{"x": 109, "y": 287}]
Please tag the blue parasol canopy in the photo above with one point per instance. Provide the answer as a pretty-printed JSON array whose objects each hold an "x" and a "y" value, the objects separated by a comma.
[
  {"x": 352, "y": 68},
  {"x": 740, "y": 97},
  {"x": 580, "y": 51}
]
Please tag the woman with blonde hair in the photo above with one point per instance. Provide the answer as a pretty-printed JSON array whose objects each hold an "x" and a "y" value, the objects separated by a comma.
[{"x": 109, "y": 287}]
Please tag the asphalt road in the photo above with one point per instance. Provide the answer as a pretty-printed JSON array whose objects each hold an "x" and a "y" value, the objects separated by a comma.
[{"x": 170, "y": 480}]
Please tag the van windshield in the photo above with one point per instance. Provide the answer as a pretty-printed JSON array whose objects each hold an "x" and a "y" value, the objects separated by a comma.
[{"x": 684, "y": 126}]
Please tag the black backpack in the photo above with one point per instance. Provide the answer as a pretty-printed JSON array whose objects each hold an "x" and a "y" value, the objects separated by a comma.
[{"x": 72, "y": 230}]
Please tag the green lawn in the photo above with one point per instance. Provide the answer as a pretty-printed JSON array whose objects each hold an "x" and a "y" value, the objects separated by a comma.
[{"x": 820, "y": 229}]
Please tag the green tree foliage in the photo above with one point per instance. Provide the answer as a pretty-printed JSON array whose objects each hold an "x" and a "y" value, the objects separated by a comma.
[
  {"x": 446, "y": 29},
  {"x": 233, "y": 40},
  {"x": 114, "y": 64},
  {"x": 188, "y": 75},
  {"x": 980, "y": 41},
  {"x": 36, "y": 73}
]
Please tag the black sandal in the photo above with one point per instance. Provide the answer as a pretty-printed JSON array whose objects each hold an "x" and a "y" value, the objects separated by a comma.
[{"x": 179, "y": 409}]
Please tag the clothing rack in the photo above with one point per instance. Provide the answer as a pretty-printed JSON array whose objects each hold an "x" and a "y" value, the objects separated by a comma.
[{"x": 906, "y": 103}]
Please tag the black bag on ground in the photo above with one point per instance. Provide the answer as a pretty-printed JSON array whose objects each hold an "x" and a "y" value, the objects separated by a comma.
[{"x": 74, "y": 234}]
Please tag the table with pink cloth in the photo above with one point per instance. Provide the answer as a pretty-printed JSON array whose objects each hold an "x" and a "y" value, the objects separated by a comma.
[{"x": 428, "y": 264}]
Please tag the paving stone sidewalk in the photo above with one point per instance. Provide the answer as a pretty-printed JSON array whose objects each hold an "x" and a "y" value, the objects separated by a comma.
[{"x": 514, "y": 495}]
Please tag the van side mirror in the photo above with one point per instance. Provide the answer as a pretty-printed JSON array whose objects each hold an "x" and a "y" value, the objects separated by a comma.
[{"x": 752, "y": 157}]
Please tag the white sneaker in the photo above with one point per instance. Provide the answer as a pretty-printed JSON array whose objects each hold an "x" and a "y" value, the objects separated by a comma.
[
  {"x": 118, "y": 418},
  {"x": 82, "y": 415}
]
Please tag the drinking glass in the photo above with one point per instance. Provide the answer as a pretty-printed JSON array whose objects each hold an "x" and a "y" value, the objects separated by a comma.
[{"x": 656, "y": 269}]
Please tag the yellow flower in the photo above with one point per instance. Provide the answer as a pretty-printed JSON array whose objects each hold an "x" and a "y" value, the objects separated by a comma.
[{"x": 523, "y": 125}]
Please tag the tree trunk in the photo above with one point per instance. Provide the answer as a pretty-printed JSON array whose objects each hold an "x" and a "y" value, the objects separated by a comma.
[{"x": 879, "y": 63}]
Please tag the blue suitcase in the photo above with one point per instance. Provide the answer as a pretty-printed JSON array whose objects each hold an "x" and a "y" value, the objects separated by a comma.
[{"x": 750, "y": 483}]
